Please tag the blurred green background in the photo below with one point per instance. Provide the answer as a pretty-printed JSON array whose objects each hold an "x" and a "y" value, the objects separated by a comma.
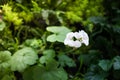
[{"x": 24, "y": 23}]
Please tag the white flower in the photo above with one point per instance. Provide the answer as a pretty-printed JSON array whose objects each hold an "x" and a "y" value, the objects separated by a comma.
[
  {"x": 72, "y": 43},
  {"x": 80, "y": 37}
]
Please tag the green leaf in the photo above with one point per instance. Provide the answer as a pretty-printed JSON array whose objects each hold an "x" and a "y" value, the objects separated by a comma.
[
  {"x": 52, "y": 38},
  {"x": 23, "y": 58},
  {"x": 116, "y": 64},
  {"x": 92, "y": 76},
  {"x": 97, "y": 20},
  {"x": 45, "y": 15},
  {"x": 59, "y": 33},
  {"x": 19, "y": 1},
  {"x": 28, "y": 74},
  {"x": 5, "y": 57},
  {"x": 51, "y": 73},
  {"x": 95, "y": 73},
  {"x": 65, "y": 60},
  {"x": 105, "y": 64},
  {"x": 48, "y": 55},
  {"x": 73, "y": 17},
  {"x": 60, "y": 37},
  {"x": 7, "y": 77},
  {"x": 34, "y": 43},
  {"x": 2, "y": 25},
  {"x": 58, "y": 29}
]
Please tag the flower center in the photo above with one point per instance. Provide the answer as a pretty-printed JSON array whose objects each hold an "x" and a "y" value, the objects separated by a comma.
[
  {"x": 74, "y": 39},
  {"x": 80, "y": 39}
]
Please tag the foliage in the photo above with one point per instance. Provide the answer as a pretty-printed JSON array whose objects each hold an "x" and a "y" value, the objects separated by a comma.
[
  {"x": 22, "y": 59},
  {"x": 5, "y": 57},
  {"x": 2, "y": 25},
  {"x": 32, "y": 34},
  {"x": 59, "y": 33}
]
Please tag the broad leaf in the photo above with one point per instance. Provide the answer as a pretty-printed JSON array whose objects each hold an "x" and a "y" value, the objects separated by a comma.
[
  {"x": 92, "y": 76},
  {"x": 51, "y": 73},
  {"x": 105, "y": 64},
  {"x": 5, "y": 57},
  {"x": 52, "y": 38},
  {"x": 59, "y": 33},
  {"x": 7, "y": 77},
  {"x": 28, "y": 74},
  {"x": 65, "y": 60},
  {"x": 48, "y": 55},
  {"x": 58, "y": 29},
  {"x": 23, "y": 58}
]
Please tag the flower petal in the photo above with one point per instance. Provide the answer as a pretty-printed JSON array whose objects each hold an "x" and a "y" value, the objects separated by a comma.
[
  {"x": 72, "y": 43},
  {"x": 77, "y": 44},
  {"x": 70, "y": 35},
  {"x": 77, "y": 35},
  {"x": 85, "y": 38}
]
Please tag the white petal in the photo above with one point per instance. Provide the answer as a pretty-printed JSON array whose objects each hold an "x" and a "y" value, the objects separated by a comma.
[
  {"x": 77, "y": 35},
  {"x": 66, "y": 41},
  {"x": 70, "y": 35},
  {"x": 85, "y": 38},
  {"x": 77, "y": 44},
  {"x": 86, "y": 42},
  {"x": 72, "y": 43}
]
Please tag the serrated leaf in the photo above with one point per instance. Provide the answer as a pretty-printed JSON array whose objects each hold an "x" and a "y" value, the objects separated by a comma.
[
  {"x": 116, "y": 64},
  {"x": 48, "y": 55},
  {"x": 23, "y": 58},
  {"x": 51, "y": 73},
  {"x": 5, "y": 57},
  {"x": 34, "y": 43},
  {"x": 65, "y": 60},
  {"x": 105, "y": 64}
]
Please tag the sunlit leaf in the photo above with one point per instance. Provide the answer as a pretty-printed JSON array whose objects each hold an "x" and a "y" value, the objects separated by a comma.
[
  {"x": 59, "y": 33},
  {"x": 5, "y": 57},
  {"x": 2, "y": 25},
  {"x": 23, "y": 58},
  {"x": 52, "y": 38},
  {"x": 58, "y": 29}
]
